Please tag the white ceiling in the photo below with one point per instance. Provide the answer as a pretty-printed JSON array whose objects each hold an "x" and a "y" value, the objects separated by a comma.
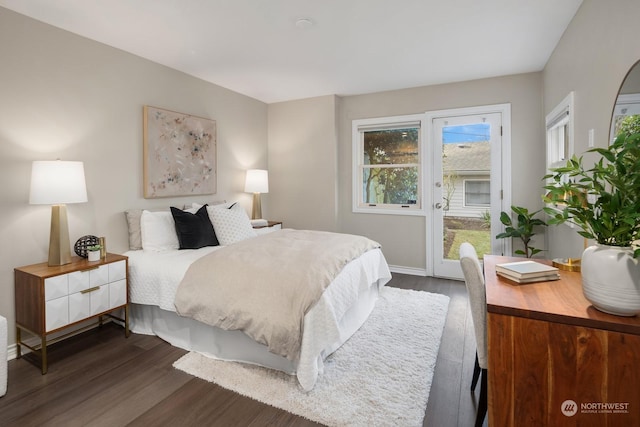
[{"x": 352, "y": 47}]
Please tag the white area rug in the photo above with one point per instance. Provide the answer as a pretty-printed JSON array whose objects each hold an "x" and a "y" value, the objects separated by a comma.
[{"x": 380, "y": 377}]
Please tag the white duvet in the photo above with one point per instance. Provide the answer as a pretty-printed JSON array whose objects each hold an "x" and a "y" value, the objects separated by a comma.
[{"x": 155, "y": 276}]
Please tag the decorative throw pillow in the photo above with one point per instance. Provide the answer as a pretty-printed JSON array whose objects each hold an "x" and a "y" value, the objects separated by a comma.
[
  {"x": 231, "y": 224},
  {"x": 194, "y": 230},
  {"x": 158, "y": 231},
  {"x": 133, "y": 225}
]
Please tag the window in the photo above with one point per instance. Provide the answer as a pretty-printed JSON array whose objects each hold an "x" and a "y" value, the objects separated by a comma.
[
  {"x": 560, "y": 133},
  {"x": 387, "y": 164},
  {"x": 477, "y": 192},
  {"x": 559, "y": 123}
]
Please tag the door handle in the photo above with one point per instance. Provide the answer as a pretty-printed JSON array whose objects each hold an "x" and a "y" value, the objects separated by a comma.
[{"x": 438, "y": 206}]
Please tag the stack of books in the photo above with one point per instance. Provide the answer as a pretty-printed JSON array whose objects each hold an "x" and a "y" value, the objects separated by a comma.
[{"x": 527, "y": 271}]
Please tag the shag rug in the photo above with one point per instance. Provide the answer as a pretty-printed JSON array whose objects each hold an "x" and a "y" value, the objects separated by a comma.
[{"x": 380, "y": 377}]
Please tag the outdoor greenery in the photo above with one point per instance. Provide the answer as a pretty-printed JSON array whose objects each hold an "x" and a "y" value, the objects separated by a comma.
[
  {"x": 486, "y": 219},
  {"x": 394, "y": 185},
  {"x": 523, "y": 229},
  {"x": 629, "y": 125},
  {"x": 604, "y": 200},
  {"x": 481, "y": 241}
]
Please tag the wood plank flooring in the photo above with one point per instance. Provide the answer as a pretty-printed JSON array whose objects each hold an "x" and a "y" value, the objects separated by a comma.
[{"x": 99, "y": 378}]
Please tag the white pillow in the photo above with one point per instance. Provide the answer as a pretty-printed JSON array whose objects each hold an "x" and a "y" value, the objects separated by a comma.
[
  {"x": 231, "y": 225},
  {"x": 220, "y": 204},
  {"x": 158, "y": 231}
]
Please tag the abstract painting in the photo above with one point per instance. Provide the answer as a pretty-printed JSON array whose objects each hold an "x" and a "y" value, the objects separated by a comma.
[{"x": 179, "y": 154}]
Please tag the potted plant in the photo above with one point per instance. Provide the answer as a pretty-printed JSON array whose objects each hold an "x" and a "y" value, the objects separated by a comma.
[
  {"x": 93, "y": 252},
  {"x": 604, "y": 202},
  {"x": 523, "y": 230}
]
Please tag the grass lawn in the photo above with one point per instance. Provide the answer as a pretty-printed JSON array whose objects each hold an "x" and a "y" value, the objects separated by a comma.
[{"x": 479, "y": 239}]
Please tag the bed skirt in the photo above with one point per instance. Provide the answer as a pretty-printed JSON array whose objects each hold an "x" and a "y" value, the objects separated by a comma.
[{"x": 235, "y": 346}]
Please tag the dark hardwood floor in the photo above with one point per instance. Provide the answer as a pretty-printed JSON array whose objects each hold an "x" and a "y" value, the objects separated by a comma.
[{"x": 99, "y": 378}]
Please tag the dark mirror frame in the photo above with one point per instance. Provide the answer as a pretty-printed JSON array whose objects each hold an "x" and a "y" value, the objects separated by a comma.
[{"x": 627, "y": 100}]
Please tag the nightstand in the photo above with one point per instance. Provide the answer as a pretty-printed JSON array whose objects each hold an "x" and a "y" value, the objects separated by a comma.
[
  {"x": 271, "y": 226},
  {"x": 51, "y": 299}
]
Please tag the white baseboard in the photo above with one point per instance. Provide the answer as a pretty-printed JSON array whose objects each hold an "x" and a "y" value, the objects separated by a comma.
[
  {"x": 408, "y": 270},
  {"x": 12, "y": 352}
]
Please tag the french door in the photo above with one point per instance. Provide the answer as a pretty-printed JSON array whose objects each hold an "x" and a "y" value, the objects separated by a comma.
[{"x": 469, "y": 162}]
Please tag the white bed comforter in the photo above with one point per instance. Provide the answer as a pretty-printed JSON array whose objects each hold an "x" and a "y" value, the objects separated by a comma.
[{"x": 154, "y": 278}]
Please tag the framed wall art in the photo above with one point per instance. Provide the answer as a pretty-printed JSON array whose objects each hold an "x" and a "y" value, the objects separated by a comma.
[{"x": 179, "y": 154}]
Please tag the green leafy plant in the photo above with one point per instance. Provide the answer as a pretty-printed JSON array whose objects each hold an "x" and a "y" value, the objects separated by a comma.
[
  {"x": 604, "y": 200},
  {"x": 486, "y": 219},
  {"x": 94, "y": 248},
  {"x": 523, "y": 229}
]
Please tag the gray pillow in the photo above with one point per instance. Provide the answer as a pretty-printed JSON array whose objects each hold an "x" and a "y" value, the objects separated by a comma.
[{"x": 133, "y": 224}]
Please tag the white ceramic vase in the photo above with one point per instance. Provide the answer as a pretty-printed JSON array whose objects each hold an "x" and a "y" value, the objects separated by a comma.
[
  {"x": 93, "y": 255},
  {"x": 611, "y": 279}
]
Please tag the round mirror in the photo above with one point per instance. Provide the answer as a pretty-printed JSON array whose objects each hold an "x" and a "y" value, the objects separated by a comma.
[{"x": 626, "y": 111}]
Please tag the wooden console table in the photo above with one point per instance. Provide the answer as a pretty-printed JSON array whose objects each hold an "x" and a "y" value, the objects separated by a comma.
[{"x": 554, "y": 360}]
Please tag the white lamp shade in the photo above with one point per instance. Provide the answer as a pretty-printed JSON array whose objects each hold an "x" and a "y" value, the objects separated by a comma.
[
  {"x": 257, "y": 181},
  {"x": 57, "y": 182}
]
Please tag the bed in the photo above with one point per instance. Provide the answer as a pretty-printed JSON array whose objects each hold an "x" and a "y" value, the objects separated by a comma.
[{"x": 159, "y": 272}]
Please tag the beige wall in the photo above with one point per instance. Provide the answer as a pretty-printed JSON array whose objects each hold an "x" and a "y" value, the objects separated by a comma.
[
  {"x": 311, "y": 188},
  {"x": 303, "y": 163},
  {"x": 63, "y": 96},
  {"x": 592, "y": 58},
  {"x": 404, "y": 238}
]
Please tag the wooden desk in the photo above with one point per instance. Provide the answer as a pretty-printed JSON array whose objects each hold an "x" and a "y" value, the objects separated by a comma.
[{"x": 550, "y": 351}]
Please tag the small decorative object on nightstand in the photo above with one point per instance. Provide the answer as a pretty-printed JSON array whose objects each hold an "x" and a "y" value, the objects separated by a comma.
[
  {"x": 93, "y": 253},
  {"x": 51, "y": 299},
  {"x": 268, "y": 227}
]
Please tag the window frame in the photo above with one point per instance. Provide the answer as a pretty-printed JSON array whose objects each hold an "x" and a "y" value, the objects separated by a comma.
[
  {"x": 464, "y": 193},
  {"x": 358, "y": 127},
  {"x": 562, "y": 116}
]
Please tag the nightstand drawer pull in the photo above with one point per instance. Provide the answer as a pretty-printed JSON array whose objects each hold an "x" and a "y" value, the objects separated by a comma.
[
  {"x": 86, "y": 291},
  {"x": 90, "y": 269}
]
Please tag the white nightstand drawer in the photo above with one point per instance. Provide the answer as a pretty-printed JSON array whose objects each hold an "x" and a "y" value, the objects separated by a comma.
[
  {"x": 57, "y": 313},
  {"x": 117, "y": 271},
  {"x": 78, "y": 281},
  {"x": 79, "y": 306},
  {"x": 99, "y": 276},
  {"x": 117, "y": 293},
  {"x": 56, "y": 287}
]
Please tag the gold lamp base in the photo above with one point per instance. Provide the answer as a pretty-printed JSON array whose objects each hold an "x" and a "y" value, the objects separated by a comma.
[
  {"x": 256, "y": 211},
  {"x": 567, "y": 264},
  {"x": 59, "y": 246}
]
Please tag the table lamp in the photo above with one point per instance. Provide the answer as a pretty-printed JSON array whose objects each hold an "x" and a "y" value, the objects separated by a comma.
[
  {"x": 257, "y": 182},
  {"x": 56, "y": 183}
]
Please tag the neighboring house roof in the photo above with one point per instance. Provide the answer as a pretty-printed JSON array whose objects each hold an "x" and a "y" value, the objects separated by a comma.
[{"x": 467, "y": 157}]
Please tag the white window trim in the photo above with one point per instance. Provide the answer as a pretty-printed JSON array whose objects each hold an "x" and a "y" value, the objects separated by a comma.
[
  {"x": 464, "y": 193},
  {"x": 563, "y": 113},
  {"x": 356, "y": 195}
]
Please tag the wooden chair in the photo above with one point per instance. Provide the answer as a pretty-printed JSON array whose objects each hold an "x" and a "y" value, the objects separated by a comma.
[{"x": 474, "y": 280}]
